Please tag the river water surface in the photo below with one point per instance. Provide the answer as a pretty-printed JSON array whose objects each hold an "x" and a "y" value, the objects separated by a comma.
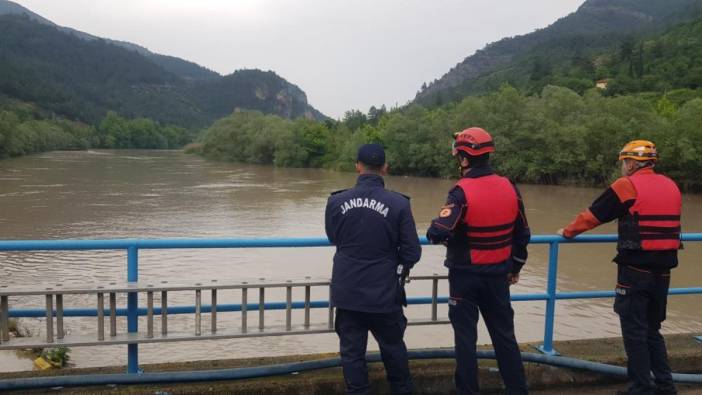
[{"x": 168, "y": 194}]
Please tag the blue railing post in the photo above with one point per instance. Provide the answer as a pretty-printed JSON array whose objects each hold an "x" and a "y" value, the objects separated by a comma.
[
  {"x": 132, "y": 309},
  {"x": 547, "y": 347}
]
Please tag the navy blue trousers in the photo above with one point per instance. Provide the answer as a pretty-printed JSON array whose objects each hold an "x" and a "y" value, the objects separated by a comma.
[
  {"x": 641, "y": 302},
  {"x": 388, "y": 330},
  {"x": 471, "y": 294}
]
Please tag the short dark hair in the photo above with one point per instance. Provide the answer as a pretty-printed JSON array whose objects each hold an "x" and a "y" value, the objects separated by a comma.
[
  {"x": 372, "y": 168},
  {"x": 476, "y": 161}
]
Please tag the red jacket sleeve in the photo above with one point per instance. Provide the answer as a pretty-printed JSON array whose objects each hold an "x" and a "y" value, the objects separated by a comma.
[{"x": 610, "y": 205}]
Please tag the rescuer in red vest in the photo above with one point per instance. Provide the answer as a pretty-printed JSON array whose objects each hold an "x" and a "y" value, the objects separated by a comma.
[
  {"x": 486, "y": 234},
  {"x": 648, "y": 207}
]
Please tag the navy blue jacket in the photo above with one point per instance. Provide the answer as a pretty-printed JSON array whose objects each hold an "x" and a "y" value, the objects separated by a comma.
[
  {"x": 451, "y": 230},
  {"x": 374, "y": 232}
]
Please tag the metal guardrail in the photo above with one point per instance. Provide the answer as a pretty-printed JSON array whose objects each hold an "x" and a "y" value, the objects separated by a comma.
[
  {"x": 58, "y": 291},
  {"x": 132, "y": 338}
]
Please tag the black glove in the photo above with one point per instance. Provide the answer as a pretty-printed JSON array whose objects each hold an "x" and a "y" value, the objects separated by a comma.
[{"x": 403, "y": 272}]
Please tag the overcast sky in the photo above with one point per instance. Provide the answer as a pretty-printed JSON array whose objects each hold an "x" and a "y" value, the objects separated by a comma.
[{"x": 345, "y": 54}]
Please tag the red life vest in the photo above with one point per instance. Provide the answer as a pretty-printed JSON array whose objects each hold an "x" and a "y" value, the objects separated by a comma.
[
  {"x": 490, "y": 218},
  {"x": 653, "y": 221}
]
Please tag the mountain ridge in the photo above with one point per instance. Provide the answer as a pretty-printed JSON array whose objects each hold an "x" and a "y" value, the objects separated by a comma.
[
  {"x": 178, "y": 66},
  {"x": 597, "y": 21},
  {"x": 83, "y": 77}
]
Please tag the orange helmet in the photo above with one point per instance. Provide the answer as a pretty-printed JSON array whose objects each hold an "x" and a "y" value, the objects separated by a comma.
[
  {"x": 640, "y": 150},
  {"x": 473, "y": 141}
]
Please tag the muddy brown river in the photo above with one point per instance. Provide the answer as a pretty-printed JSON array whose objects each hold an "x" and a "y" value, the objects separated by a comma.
[{"x": 169, "y": 194}]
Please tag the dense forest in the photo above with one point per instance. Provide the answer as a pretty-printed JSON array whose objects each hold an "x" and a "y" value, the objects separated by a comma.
[
  {"x": 586, "y": 45},
  {"x": 558, "y": 136},
  {"x": 25, "y": 129},
  {"x": 659, "y": 64},
  {"x": 666, "y": 62}
]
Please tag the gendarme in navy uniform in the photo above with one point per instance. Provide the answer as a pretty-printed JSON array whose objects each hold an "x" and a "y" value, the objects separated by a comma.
[{"x": 375, "y": 235}]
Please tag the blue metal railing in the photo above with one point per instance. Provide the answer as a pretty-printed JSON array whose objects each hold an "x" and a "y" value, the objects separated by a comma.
[{"x": 132, "y": 246}]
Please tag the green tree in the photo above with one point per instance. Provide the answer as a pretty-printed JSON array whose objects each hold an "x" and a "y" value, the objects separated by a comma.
[{"x": 354, "y": 119}]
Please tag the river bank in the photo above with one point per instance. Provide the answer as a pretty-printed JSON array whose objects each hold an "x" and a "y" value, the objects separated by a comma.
[
  {"x": 431, "y": 376},
  {"x": 558, "y": 135}
]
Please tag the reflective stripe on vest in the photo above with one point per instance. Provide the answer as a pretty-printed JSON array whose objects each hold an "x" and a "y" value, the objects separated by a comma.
[
  {"x": 489, "y": 218},
  {"x": 653, "y": 222}
]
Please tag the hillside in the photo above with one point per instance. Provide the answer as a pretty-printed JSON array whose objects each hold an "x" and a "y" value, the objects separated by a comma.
[
  {"x": 82, "y": 77},
  {"x": 597, "y": 26},
  {"x": 670, "y": 62},
  {"x": 177, "y": 66},
  {"x": 273, "y": 95}
]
